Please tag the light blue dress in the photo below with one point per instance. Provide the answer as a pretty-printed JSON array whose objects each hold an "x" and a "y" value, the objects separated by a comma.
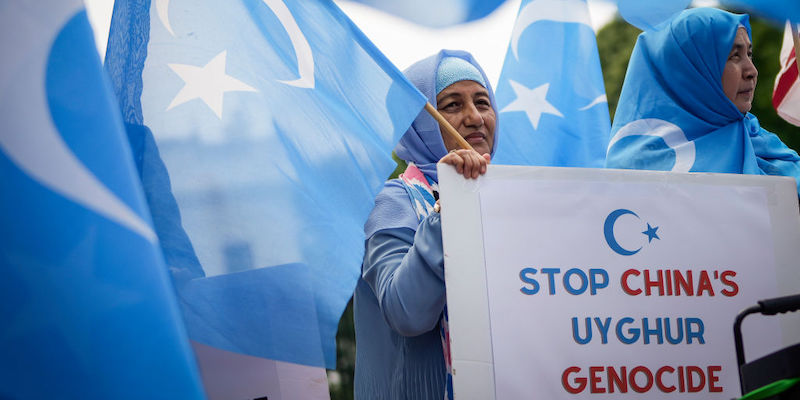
[{"x": 400, "y": 297}]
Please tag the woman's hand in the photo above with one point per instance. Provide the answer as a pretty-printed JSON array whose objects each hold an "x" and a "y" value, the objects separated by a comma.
[{"x": 467, "y": 162}]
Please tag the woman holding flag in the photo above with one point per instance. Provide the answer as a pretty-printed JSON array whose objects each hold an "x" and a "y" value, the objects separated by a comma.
[
  {"x": 686, "y": 99},
  {"x": 399, "y": 302}
]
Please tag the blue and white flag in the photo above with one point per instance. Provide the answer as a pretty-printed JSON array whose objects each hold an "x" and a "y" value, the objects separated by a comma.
[
  {"x": 649, "y": 15},
  {"x": 550, "y": 94},
  {"x": 436, "y": 14},
  {"x": 88, "y": 309},
  {"x": 263, "y": 130},
  {"x": 777, "y": 10}
]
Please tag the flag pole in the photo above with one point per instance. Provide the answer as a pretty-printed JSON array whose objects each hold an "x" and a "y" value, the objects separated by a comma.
[
  {"x": 796, "y": 41},
  {"x": 447, "y": 127}
]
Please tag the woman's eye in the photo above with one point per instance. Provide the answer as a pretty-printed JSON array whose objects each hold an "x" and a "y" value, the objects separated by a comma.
[{"x": 450, "y": 106}]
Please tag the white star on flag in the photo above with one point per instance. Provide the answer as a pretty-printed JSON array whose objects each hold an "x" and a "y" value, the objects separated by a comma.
[
  {"x": 207, "y": 83},
  {"x": 532, "y": 101}
]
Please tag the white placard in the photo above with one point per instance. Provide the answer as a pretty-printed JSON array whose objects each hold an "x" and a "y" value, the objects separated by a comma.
[
  {"x": 232, "y": 376},
  {"x": 578, "y": 283}
]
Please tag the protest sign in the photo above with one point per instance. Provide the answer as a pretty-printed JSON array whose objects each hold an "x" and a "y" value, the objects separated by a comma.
[{"x": 585, "y": 283}]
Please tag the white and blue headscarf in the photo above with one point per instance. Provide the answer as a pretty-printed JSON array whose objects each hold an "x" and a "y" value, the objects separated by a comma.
[
  {"x": 673, "y": 115},
  {"x": 422, "y": 143}
]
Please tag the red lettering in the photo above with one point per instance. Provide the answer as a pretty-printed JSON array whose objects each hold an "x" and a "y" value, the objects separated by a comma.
[
  {"x": 667, "y": 379},
  {"x": 594, "y": 380},
  {"x": 734, "y": 288},
  {"x": 668, "y": 280},
  {"x": 660, "y": 380},
  {"x": 685, "y": 283},
  {"x": 616, "y": 380},
  {"x": 691, "y": 370},
  {"x": 705, "y": 284},
  {"x": 624, "y": 281},
  {"x": 656, "y": 283},
  {"x": 713, "y": 378},
  {"x": 648, "y": 378},
  {"x": 580, "y": 381}
]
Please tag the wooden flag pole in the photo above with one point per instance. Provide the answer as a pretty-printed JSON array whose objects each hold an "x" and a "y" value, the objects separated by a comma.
[
  {"x": 447, "y": 127},
  {"x": 796, "y": 41}
]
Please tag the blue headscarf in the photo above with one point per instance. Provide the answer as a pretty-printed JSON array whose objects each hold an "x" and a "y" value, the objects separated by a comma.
[
  {"x": 672, "y": 113},
  {"x": 422, "y": 144}
]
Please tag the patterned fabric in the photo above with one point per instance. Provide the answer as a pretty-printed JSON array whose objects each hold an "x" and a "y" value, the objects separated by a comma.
[
  {"x": 422, "y": 193},
  {"x": 420, "y": 190}
]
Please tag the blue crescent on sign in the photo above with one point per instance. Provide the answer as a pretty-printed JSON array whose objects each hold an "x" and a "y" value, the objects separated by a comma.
[{"x": 608, "y": 230}]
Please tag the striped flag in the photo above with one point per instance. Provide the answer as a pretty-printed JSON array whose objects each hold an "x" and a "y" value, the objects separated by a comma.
[{"x": 786, "y": 94}]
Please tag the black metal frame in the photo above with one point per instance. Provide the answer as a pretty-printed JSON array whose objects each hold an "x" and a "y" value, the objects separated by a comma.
[{"x": 766, "y": 307}]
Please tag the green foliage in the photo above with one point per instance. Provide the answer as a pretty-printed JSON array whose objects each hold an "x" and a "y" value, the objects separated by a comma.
[
  {"x": 401, "y": 166},
  {"x": 766, "y": 49},
  {"x": 615, "y": 43},
  {"x": 340, "y": 381}
]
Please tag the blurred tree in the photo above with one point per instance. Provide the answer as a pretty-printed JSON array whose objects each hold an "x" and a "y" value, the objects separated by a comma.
[
  {"x": 615, "y": 43},
  {"x": 767, "y": 40},
  {"x": 340, "y": 381}
]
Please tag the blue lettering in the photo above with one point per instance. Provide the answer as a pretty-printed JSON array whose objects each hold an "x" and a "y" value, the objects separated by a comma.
[
  {"x": 576, "y": 336},
  {"x": 594, "y": 283},
  {"x": 524, "y": 277},
  {"x": 647, "y": 332},
  {"x": 568, "y": 282},
  {"x": 679, "y": 326},
  {"x": 603, "y": 328},
  {"x": 634, "y": 332},
  {"x": 551, "y": 280},
  {"x": 690, "y": 334}
]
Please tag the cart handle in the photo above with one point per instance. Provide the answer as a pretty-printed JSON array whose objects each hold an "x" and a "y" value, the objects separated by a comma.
[{"x": 767, "y": 307}]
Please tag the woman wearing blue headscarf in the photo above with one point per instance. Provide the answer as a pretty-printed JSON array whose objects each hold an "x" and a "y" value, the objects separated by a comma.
[
  {"x": 686, "y": 99},
  {"x": 399, "y": 302}
]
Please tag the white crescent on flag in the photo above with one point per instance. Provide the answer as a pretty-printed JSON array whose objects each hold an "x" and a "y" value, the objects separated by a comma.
[
  {"x": 28, "y": 136},
  {"x": 671, "y": 134},
  {"x": 162, "y": 8},
  {"x": 305, "y": 59},
  {"x": 566, "y": 11}
]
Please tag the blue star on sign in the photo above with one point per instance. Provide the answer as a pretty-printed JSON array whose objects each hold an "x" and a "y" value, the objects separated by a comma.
[{"x": 651, "y": 233}]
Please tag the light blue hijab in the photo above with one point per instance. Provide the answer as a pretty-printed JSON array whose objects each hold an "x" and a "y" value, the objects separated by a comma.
[
  {"x": 673, "y": 114},
  {"x": 422, "y": 144}
]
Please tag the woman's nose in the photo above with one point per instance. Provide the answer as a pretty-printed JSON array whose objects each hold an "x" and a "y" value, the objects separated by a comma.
[
  {"x": 750, "y": 70},
  {"x": 473, "y": 116}
]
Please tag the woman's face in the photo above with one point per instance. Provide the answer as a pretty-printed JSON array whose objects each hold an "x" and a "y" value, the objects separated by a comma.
[
  {"x": 740, "y": 74},
  {"x": 466, "y": 106}
]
